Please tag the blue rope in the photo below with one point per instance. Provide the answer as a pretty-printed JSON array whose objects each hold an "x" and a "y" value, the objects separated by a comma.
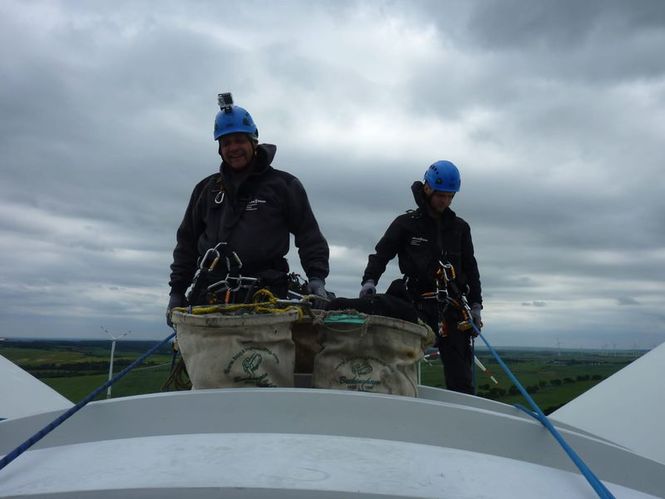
[
  {"x": 593, "y": 480},
  {"x": 60, "y": 419}
]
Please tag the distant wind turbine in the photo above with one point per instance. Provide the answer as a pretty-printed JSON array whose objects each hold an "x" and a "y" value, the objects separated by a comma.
[{"x": 113, "y": 340}]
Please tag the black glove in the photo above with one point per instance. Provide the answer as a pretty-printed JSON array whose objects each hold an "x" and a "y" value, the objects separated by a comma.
[
  {"x": 475, "y": 314},
  {"x": 369, "y": 288},
  {"x": 317, "y": 287},
  {"x": 175, "y": 300}
]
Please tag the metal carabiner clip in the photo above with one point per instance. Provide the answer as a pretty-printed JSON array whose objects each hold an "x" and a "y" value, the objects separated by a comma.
[
  {"x": 444, "y": 268},
  {"x": 219, "y": 198},
  {"x": 211, "y": 253}
]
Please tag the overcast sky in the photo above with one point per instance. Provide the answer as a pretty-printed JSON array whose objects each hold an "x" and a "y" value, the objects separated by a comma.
[{"x": 554, "y": 112}]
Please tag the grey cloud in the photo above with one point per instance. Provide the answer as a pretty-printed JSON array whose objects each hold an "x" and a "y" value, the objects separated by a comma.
[
  {"x": 106, "y": 123},
  {"x": 569, "y": 33},
  {"x": 627, "y": 300},
  {"x": 534, "y": 303}
]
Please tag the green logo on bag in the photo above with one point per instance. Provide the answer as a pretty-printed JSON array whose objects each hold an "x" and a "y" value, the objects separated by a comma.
[
  {"x": 250, "y": 362},
  {"x": 361, "y": 368}
]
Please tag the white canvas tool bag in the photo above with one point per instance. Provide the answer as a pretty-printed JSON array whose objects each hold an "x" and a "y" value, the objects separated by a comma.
[
  {"x": 247, "y": 350},
  {"x": 370, "y": 353}
]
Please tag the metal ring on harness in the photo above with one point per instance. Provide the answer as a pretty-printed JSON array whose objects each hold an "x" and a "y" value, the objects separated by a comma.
[
  {"x": 225, "y": 284},
  {"x": 238, "y": 283}
]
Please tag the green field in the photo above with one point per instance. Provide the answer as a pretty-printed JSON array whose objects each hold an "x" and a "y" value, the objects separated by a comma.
[
  {"x": 550, "y": 377},
  {"x": 76, "y": 368}
]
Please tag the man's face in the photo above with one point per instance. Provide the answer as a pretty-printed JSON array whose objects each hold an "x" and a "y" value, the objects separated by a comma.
[
  {"x": 236, "y": 150},
  {"x": 438, "y": 200}
]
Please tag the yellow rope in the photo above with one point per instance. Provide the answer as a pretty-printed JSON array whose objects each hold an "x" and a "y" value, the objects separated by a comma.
[{"x": 264, "y": 302}]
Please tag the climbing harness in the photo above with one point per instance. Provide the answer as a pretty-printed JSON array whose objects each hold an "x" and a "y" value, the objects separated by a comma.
[
  {"x": 447, "y": 294},
  {"x": 234, "y": 287}
]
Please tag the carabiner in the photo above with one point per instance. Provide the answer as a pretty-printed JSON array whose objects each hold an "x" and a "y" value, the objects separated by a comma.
[
  {"x": 442, "y": 295},
  {"x": 211, "y": 253},
  {"x": 442, "y": 272}
]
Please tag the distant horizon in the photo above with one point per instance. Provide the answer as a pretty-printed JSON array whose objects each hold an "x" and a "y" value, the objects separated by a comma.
[{"x": 477, "y": 346}]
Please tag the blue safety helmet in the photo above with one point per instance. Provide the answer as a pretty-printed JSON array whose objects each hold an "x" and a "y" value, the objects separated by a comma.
[
  {"x": 443, "y": 176},
  {"x": 235, "y": 119}
]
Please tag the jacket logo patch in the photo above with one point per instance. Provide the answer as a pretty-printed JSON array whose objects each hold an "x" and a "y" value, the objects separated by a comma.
[
  {"x": 253, "y": 205},
  {"x": 417, "y": 241}
]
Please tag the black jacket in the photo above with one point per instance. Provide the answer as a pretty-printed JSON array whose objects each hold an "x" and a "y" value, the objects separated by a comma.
[
  {"x": 254, "y": 212},
  {"x": 420, "y": 241}
]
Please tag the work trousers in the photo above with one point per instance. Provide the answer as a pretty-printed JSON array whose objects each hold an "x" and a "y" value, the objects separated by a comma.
[{"x": 455, "y": 348}]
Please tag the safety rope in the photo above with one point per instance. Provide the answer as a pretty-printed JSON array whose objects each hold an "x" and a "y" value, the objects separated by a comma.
[
  {"x": 8, "y": 458},
  {"x": 178, "y": 378},
  {"x": 538, "y": 414},
  {"x": 264, "y": 302}
]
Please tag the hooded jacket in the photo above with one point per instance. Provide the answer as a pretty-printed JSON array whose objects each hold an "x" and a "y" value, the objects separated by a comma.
[
  {"x": 420, "y": 241},
  {"x": 254, "y": 212}
]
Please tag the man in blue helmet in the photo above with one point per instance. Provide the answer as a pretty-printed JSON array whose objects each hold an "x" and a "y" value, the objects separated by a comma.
[
  {"x": 252, "y": 208},
  {"x": 425, "y": 240}
]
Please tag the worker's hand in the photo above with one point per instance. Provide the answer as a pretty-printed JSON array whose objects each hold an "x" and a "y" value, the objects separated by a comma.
[
  {"x": 318, "y": 288},
  {"x": 369, "y": 288},
  {"x": 175, "y": 300},
  {"x": 475, "y": 314}
]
